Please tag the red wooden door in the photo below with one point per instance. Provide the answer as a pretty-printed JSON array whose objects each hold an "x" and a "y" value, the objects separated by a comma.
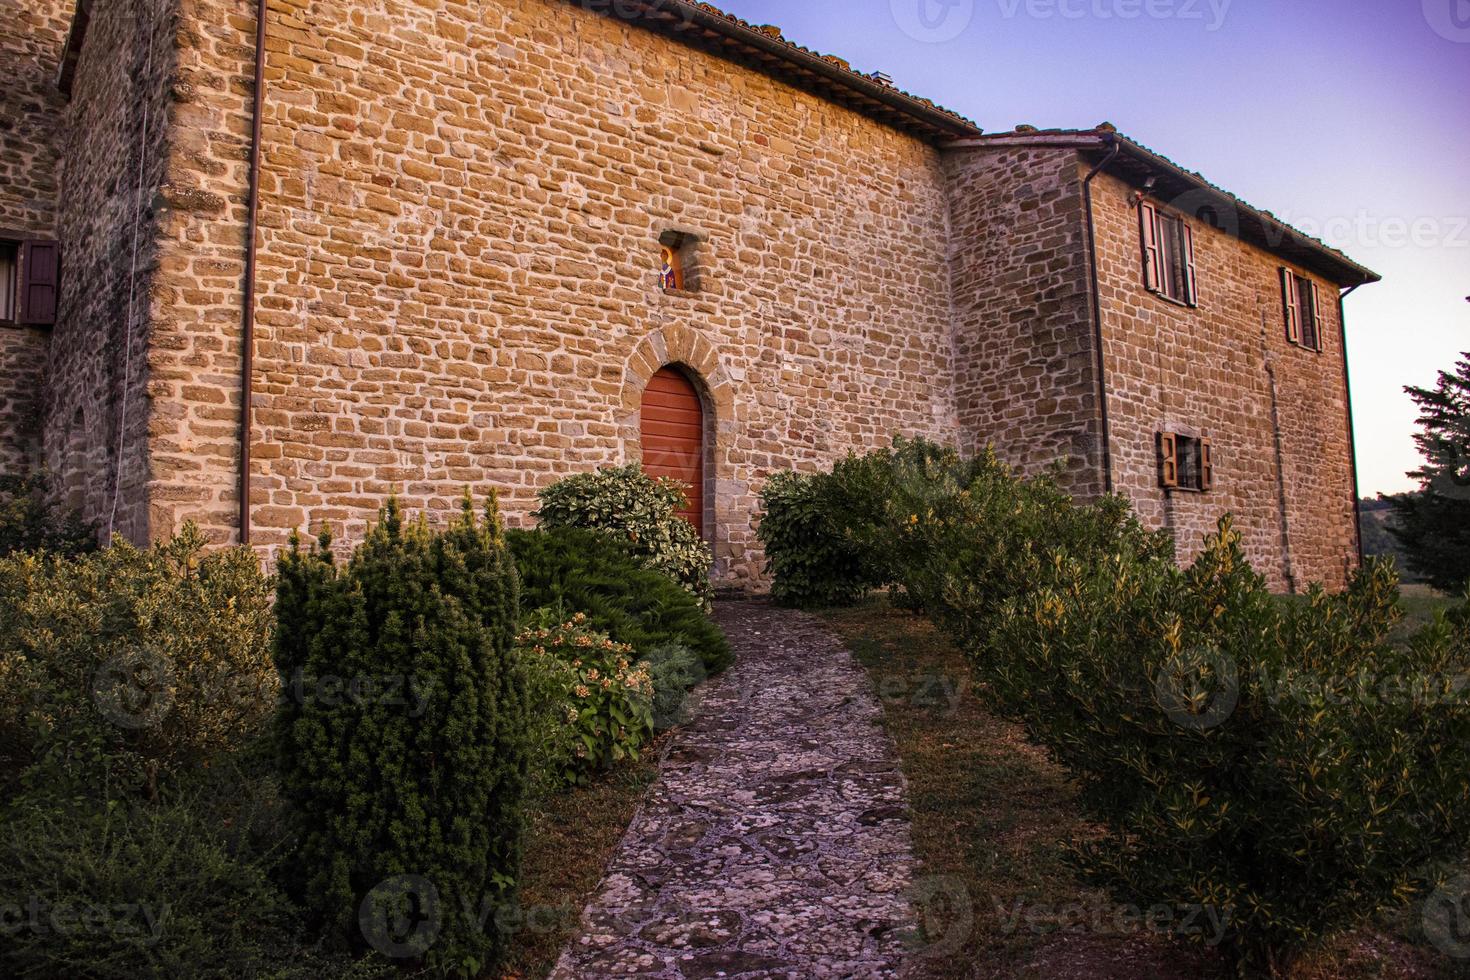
[{"x": 673, "y": 437}]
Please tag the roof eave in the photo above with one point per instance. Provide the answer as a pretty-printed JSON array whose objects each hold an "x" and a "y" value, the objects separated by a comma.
[
  {"x": 1173, "y": 182},
  {"x": 1254, "y": 226},
  {"x": 699, "y": 27}
]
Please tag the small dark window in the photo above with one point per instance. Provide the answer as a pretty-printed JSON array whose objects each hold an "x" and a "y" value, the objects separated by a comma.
[
  {"x": 1303, "y": 310},
  {"x": 1168, "y": 254},
  {"x": 9, "y": 287},
  {"x": 1186, "y": 462}
]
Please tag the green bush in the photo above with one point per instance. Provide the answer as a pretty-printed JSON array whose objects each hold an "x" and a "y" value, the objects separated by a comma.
[
  {"x": 402, "y": 735},
  {"x": 578, "y": 571},
  {"x": 631, "y": 506},
  {"x": 137, "y": 889},
  {"x": 123, "y": 667},
  {"x": 1280, "y": 762},
  {"x": 965, "y": 537},
  {"x": 811, "y": 562},
  {"x": 28, "y": 523},
  {"x": 595, "y": 703}
]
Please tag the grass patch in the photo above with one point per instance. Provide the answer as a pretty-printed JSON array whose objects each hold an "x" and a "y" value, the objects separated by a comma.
[
  {"x": 570, "y": 838},
  {"x": 991, "y": 815}
]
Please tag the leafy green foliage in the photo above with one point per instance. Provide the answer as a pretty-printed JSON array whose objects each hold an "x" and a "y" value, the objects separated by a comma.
[
  {"x": 136, "y": 889},
  {"x": 27, "y": 523},
  {"x": 595, "y": 703},
  {"x": 1433, "y": 524},
  {"x": 631, "y": 506},
  {"x": 402, "y": 736},
  {"x": 121, "y": 668},
  {"x": 1283, "y": 763},
  {"x": 1278, "y": 761},
  {"x": 574, "y": 570},
  {"x": 811, "y": 563}
]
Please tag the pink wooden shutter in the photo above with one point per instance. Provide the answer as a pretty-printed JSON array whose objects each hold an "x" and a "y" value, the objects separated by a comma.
[
  {"x": 1148, "y": 227},
  {"x": 1168, "y": 460},
  {"x": 1316, "y": 315},
  {"x": 1289, "y": 297},
  {"x": 40, "y": 275},
  {"x": 1206, "y": 465},
  {"x": 1189, "y": 294}
]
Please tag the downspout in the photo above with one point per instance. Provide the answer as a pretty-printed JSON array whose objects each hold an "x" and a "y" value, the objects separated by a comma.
[
  {"x": 247, "y": 338},
  {"x": 1097, "y": 316},
  {"x": 1347, "y": 390}
]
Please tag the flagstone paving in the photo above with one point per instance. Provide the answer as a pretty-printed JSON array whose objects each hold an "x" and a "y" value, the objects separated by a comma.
[{"x": 775, "y": 842}]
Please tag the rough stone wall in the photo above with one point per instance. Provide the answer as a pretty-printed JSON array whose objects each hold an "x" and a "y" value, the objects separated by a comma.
[
  {"x": 22, "y": 368},
  {"x": 1026, "y": 378},
  {"x": 31, "y": 37},
  {"x": 1276, "y": 414},
  {"x": 98, "y": 408},
  {"x": 458, "y": 286}
]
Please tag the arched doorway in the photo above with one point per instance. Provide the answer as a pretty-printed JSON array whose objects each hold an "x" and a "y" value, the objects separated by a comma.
[{"x": 672, "y": 435}]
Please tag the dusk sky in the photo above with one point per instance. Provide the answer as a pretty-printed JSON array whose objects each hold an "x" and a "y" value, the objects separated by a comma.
[{"x": 1348, "y": 120}]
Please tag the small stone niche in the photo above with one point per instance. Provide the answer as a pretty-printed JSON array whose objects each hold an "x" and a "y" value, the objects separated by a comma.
[{"x": 679, "y": 255}]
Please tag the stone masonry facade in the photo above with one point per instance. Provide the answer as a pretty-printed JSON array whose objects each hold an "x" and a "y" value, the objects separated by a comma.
[
  {"x": 1276, "y": 413},
  {"x": 457, "y": 286}
]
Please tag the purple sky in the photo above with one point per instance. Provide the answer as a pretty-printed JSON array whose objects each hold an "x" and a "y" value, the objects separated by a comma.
[{"x": 1348, "y": 120}]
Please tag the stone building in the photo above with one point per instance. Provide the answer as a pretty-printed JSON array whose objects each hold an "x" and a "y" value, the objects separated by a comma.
[{"x": 450, "y": 244}]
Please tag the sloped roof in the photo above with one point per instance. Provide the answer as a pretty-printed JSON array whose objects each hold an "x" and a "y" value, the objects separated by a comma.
[
  {"x": 1137, "y": 163},
  {"x": 764, "y": 48}
]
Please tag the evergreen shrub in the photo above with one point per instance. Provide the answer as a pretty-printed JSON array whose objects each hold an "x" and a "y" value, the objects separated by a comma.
[
  {"x": 629, "y": 505},
  {"x": 401, "y": 740}
]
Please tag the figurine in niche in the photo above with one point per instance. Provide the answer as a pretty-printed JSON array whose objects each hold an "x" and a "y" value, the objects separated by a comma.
[{"x": 671, "y": 276}]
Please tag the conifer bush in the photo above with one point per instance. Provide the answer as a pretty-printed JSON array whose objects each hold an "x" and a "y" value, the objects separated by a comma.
[
  {"x": 401, "y": 738},
  {"x": 632, "y": 507},
  {"x": 573, "y": 570},
  {"x": 1280, "y": 763}
]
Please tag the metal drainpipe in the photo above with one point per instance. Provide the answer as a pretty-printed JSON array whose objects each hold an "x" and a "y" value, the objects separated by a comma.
[
  {"x": 1347, "y": 389},
  {"x": 247, "y": 340},
  {"x": 1097, "y": 316}
]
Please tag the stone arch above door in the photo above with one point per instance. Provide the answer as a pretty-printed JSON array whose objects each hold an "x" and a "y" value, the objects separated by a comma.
[{"x": 677, "y": 345}]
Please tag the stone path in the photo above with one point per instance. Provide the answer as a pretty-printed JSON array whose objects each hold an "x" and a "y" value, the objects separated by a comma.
[{"x": 775, "y": 842}]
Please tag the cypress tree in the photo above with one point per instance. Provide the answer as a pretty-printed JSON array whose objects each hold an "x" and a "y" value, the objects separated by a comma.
[{"x": 400, "y": 736}]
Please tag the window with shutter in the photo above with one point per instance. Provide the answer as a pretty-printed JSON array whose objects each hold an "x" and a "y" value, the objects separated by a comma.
[
  {"x": 1311, "y": 315},
  {"x": 1148, "y": 226},
  {"x": 1189, "y": 293},
  {"x": 1186, "y": 462},
  {"x": 1168, "y": 460},
  {"x": 8, "y": 281},
  {"x": 1303, "y": 310},
  {"x": 40, "y": 281},
  {"x": 1168, "y": 254}
]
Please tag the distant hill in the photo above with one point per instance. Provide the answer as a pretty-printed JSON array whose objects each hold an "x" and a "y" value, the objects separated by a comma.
[{"x": 1376, "y": 515}]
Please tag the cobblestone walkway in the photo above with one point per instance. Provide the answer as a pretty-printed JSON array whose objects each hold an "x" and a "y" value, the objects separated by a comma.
[{"x": 775, "y": 842}]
